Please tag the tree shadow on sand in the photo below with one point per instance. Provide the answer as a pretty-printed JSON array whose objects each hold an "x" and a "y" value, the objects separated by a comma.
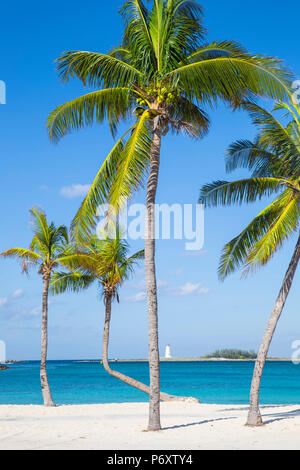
[
  {"x": 198, "y": 423},
  {"x": 281, "y": 416},
  {"x": 273, "y": 416},
  {"x": 246, "y": 407}
]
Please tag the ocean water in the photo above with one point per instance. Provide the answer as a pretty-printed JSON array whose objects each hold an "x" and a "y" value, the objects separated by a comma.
[{"x": 73, "y": 382}]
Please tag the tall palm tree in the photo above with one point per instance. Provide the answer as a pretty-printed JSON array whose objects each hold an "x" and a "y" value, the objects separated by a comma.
[
  {"x": 106, "y": 262},
  {"x": 274, "y": 159},
  {"x": 47, "y": 250},
  {"x": 159, "y": 79}
]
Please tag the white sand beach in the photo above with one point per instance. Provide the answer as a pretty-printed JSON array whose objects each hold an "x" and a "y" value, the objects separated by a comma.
[{"x": 121, "y": 427}]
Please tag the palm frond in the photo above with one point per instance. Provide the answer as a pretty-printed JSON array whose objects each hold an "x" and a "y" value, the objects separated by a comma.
[
  {"x": 74, "y": 281},
  {"x": 272, "y": 133},
  {"x": 27, "y": 258},
  {"x": 233, "y": 78},
  {"x": 105, "y": 260},
  {"x": 137, "y": 36},
  {"x": 188, "y": 117},
  {"x": 291, "y": 110},
  {"x": 253, "y": 156},
  {"x": 121, "y": 53},
  {"x": 177, "y": 30},
  {"x": 234, "y": 254},
  {"x": 112, "y": 104},
  {"x": 60, "y": 236},
  {"x": 127, "y": 267},
  {"x": 96, "y": 70},
  {"x": 282, "y": 226},
  {"x": 84, "y": 262},
  {"x": 134, "y": 163},
  {"x": 223, "y": 193},
  {"x": 40, "y": 228},
  {"x": 98, "y": 194},
  {"x": 217, "y": 49}
]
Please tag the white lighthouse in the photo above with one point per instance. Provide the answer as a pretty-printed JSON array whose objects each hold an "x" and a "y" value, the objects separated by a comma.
[{"x": 168, "y": 352}]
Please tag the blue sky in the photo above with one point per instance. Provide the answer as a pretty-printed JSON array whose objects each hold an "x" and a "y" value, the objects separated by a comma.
[{"x": 197, "y": 313}]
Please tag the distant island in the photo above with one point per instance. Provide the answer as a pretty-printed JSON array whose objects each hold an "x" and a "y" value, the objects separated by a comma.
[
  {"x": 218, "y": 355},
  {"x": 232, "y": 354}
]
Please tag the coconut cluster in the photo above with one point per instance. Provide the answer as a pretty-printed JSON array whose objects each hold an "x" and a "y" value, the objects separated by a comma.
[{"x": 162, "y": 95}]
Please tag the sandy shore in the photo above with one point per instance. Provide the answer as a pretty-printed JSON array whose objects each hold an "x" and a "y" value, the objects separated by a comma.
[{"x": 121, "y": 426}]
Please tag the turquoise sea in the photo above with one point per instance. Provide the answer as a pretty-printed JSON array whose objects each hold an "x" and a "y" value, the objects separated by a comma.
[{"x": 73, "y": 382}]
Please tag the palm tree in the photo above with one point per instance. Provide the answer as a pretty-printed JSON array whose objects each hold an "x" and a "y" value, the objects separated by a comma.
[
  {"x": 274, "y": 159},
  {"x": 104, "y": 261},
  {"x": 159, "y": 79},
  {"x": 47, "y": 250}
]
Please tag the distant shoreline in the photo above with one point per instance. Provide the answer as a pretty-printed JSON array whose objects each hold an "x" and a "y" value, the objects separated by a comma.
[
  {"x": 175, "y": 359},
  {"x": 189, "y": 359}
]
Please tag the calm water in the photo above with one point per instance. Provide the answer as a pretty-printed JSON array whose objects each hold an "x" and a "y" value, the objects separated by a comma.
[{"x": 212, "y": 382}]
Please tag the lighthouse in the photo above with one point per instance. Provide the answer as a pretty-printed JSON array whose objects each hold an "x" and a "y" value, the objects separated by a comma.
[{"x": 168, "y": 352}]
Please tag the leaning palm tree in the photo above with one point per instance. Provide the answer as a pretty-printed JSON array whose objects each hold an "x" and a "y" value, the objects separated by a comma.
[
  {"x": 274, "y": 159},
  {"x": 47, "y": 250},
  {"x": 106, "y": 262},
  {"x": 160, "y": 78}
]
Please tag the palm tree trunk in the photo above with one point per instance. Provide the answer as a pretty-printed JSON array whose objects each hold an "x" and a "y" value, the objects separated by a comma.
[
  {"x": 48, "y": 400},
  {"x": 254, "y": 416},
  {"x": 151, "y": 285},
  {"x": 124, "y": 378}
]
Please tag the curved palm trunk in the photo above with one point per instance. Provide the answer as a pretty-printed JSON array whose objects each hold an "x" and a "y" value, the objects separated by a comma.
[
  {"x": 48, "y": 400},
  {"x": 151, "y": 285},
  {"x": 254, "y": 416},
  {"x": 124, "y": 378}
]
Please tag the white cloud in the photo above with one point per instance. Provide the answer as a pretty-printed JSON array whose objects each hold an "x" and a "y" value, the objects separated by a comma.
[
  {"x": 17, "y": 293},
  {"x": 189, "y": 289},
  {"x": 10, "y": 298},
  {"x": 178, "y": 271},
  {"x": 35, "y": 311},
  {"x": 75, "y": 190},
  {"x": 139, "y": 297},
  {"x": 3, "y": 301}
]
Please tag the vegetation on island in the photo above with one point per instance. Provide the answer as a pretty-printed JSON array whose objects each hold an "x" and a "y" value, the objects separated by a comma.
[{"x": 232, "y": 354}]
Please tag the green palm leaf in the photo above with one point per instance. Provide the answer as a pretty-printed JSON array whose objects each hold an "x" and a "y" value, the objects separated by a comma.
[
  {"x": 134, "y": 163},
  {"x": 190, "y": 118},
  {"x": 112, "y": 104},
  {"x": 286, "y": 223},
  {"x": 235, "y": 252},
  {"x": 105, "y": 260},
  {"x": 96, "y": 70},
  {"x": 98, "y": 194},
  {"x": 74, "y": 281},
  {"x": 231, "y": 78},
  {"x": 137, "y": 35},
  {"x": 247, "y": 190},
  {"x": 217, "y": 49},
  {"x": 22, "y": 254},
  {"x": 253, "y": 156},
  {"x": 272, "y": 133}
]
